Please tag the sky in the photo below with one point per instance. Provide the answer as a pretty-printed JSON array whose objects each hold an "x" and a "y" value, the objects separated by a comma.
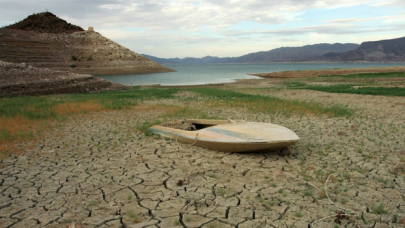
[{"x": 223, "y": 28}]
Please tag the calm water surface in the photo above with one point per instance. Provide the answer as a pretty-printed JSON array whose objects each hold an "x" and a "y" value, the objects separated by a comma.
[{"x": 225, "y": 73}]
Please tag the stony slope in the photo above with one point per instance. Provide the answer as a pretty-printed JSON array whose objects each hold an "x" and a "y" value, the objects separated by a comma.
[
  {"x": 23, "y": 79},
  {"x": 62, "y": 49},
  {"x": 383, "y": 50}
]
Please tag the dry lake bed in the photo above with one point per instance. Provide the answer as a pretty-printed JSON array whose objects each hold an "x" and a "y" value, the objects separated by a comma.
[{"x": 100, "y": 169}]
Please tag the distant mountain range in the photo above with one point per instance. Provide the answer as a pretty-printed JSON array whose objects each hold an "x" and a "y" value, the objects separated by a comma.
[
  {"x": 283, "y": 54},
  {"x": 295, "y": 54},
  {"x": 376, "y": 51}
]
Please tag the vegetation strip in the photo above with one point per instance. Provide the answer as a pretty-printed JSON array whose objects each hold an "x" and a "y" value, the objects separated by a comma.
[
  {"x": 354, "y": 89},
  {"x": 21, "y": 118},
  {"x": 270, "y": 105},
  {"x": 368, "y": 84},
  {"x": 368, "y": 75}
]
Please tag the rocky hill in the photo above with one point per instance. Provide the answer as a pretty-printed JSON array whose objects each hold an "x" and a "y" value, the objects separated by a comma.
[
  {"x": 283, "y": 54},
  {"x": 375, "y": 51},
  {"x": 45, "y": 22},
  {"x": 43, "y": 40}
]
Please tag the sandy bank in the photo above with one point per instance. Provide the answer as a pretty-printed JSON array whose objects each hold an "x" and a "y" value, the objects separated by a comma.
[{"x": 317, "y": 73}]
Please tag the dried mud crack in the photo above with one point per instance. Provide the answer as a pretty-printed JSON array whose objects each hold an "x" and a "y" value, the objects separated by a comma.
[{"x": 97, "y": 170}]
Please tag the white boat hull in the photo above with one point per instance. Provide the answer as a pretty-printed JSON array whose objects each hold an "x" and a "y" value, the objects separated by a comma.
[{"x": 222, "y": 135}]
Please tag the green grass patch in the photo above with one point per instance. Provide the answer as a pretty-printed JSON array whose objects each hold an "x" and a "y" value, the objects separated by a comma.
[
  {"x": 308, "y": 192},
  {"x": 378, "y": 209},
  {"x": 143, "y": 127},
  {"x": 352, "y": 89},
  {"x": 366, "y": 83},
  {"x": 269, "y": 105},
  {"x": 43, "y": 107},
  {"x": 134, "y": 217},
  {"x": 367, "y": 75}
]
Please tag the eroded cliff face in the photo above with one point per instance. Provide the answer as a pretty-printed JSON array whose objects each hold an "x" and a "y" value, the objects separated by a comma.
[{"x": 79, "y": 52}]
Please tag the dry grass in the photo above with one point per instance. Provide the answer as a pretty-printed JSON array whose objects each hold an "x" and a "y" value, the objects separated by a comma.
[
  {"x": 78, "y": 107},
  {"x": 16, "y": 129},
  {"x": 20, "y": 129}
]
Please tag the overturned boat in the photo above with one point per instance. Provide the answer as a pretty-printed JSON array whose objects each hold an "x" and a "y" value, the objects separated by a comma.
[{"x": 227, "y": 135}]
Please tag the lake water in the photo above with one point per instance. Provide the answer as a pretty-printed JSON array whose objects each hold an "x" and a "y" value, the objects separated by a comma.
[{"x": 225, "y": 73}]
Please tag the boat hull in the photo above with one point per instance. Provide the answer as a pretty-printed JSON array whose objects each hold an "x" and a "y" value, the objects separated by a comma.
[{"x": 232, "y": 137}]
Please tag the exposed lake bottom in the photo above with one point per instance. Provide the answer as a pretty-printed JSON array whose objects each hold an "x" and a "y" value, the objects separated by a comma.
[{"x": 226, "y": 73}]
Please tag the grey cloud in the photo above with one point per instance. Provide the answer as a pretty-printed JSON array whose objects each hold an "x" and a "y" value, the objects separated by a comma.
[
  {"x": 287, "y": 40},
  {"x": 327, "y": 29},
  {"x": 158, "y": 14},
  {"x": 320, "y": 29}
]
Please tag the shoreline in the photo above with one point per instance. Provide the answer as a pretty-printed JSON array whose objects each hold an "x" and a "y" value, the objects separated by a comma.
[
  {"x": 327, "y": 72},
  {"x": 185, "y": 86},
  {"x": 291, "y": 74},
  {"x": 24, "y": 85}
]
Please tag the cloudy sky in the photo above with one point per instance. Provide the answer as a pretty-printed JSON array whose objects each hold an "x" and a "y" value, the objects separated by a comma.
[{"x": 223, "y": 28}]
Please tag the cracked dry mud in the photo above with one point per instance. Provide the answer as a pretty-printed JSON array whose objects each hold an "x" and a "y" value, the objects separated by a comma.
[{"x": 97, "y": 170}]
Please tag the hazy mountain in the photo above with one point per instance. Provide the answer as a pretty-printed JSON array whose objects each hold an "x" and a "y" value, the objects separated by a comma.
[
  {"x": 383, "y": 50},
  {"x": 283, "y": 54},
  {"x": 292, "y": 54},
  {"x": 190, "y": 60}
]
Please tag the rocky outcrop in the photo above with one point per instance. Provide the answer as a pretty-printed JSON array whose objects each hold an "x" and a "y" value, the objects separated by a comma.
[
  {"x": 45, "y": 22},
  {"x": 43, "y": 40},
  {"x": 23, "y": 79}
]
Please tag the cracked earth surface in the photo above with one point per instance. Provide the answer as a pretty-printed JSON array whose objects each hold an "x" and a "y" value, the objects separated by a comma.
[{"x": 98, "y": 170}]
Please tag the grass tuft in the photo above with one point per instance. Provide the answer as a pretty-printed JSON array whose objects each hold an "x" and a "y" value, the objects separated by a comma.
[{"x": 378, "y": 209}]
